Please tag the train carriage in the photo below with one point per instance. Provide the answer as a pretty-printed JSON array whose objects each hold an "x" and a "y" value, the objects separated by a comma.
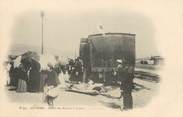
[{"x": 99, "y": 53}]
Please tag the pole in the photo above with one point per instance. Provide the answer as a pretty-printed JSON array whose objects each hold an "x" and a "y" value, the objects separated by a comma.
[{"x": 42, "y": 47}]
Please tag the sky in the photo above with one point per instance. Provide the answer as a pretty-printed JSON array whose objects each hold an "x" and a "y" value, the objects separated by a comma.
[{"x": 64, "y": 27}]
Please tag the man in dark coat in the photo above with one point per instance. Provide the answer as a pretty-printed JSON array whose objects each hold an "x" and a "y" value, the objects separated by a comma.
[
  {"x": 71, "y": 70},
  {"x": 78, "y": 70},
  {"x": 125, "y": 75}
]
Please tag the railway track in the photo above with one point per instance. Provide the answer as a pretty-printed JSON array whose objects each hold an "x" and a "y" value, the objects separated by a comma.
[{"x": 153, "y": 77}]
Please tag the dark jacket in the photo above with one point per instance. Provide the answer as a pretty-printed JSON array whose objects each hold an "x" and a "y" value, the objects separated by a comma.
[
  {"x": 52, "y": 79},
  {"x": 125, "y": 75}
]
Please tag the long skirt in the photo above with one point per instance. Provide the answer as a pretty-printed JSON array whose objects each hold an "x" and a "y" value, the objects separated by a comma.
[
  {"x": 63, "y": 79},
  {"x": 34, "y": 82},
  {"x": 43, "y": 78},
  {"x": 22, "y": 86}
]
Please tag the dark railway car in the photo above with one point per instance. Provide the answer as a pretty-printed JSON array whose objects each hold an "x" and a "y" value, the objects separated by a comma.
[{"x": 99, "y": 53}]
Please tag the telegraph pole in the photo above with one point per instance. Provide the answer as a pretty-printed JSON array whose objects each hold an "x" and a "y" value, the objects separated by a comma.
[{"x": 42, "y": 19}]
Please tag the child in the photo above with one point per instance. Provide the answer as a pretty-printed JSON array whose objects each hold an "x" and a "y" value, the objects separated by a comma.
[{"x": 51, "y": 89}]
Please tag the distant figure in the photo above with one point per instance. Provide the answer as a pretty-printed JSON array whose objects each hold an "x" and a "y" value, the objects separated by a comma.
[
  {"x": 34, "y": 76},
  {"x": 70, "y": 66},
  {"x": 58, "y": 66},
  {"x": 71, "y": 70},
  {"x": 66, "y": 76},
  {"x": 125, "y": 75},
  {"x": 78, "y": 70},
  {"x": 7, "y": 67},
  {"x": 13, "y": 75}
]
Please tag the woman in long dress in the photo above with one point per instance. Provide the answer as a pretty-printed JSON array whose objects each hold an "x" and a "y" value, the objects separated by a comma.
[
  {"x": 34, "y": 76},
  {"x": 23, "y": 75},
  {"x": 43, "y": 77},
  {"x": 22, "y": 78}
]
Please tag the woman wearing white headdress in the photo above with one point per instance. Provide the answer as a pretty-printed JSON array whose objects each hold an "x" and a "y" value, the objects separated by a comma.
[{"x": 23, "y": 69}]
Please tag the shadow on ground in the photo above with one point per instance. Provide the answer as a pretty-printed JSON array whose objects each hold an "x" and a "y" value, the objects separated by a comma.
[{"x": 112, "y": 105}]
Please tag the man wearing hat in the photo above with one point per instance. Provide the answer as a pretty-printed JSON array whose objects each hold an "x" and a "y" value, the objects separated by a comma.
[{"x": 124, "y": 74}]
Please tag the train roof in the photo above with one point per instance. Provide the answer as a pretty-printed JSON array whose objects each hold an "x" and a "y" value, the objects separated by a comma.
[{"x": 100, "y": 34}]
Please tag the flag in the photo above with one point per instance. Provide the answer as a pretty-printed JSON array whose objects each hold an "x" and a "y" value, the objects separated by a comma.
[{"x": 101, "y": 29}]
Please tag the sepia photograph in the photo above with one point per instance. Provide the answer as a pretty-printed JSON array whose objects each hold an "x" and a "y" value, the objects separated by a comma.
[{"x": 110, "y": 57}]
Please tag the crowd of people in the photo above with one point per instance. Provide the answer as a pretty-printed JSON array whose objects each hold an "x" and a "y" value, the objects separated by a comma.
[
  {"x": 75, "y": 69},
  {"x": 24, "y": 74},
  {"x": 27, "y": 75}
]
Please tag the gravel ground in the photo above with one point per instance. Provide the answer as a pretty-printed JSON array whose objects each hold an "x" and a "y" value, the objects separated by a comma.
[{"x": 145, "y": 90}]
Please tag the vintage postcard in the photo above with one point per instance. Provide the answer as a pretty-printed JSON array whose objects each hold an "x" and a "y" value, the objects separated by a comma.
[{"x": 91, "y": 58}]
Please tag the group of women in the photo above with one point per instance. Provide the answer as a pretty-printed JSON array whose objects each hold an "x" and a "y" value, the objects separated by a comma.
[{"x": 26, "y": 75}]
